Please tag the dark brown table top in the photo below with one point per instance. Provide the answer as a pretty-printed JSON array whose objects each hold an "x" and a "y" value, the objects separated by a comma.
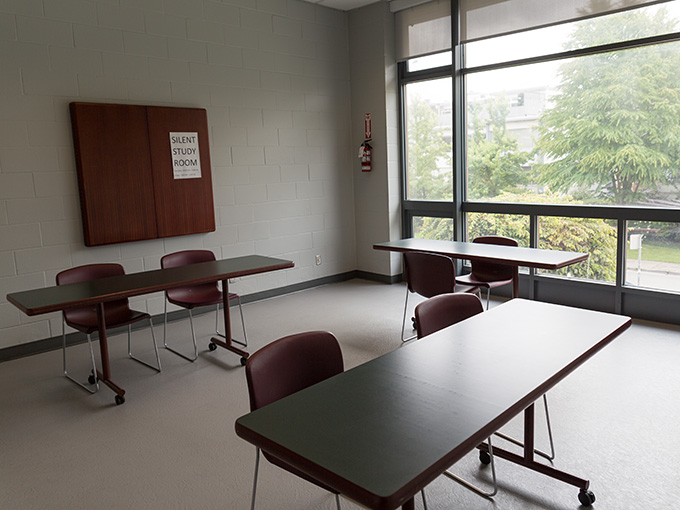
[
  {"x": 51, "y": 299},
  {"x": 382, "y": 431},
  {"x": 508, "y": 255}
]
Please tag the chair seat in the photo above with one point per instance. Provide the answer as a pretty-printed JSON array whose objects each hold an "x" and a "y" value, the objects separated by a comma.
[
  {"x": 198, "y": 295},
  {"x": 85, "y": 319},
  {"x": 469, "y": 279}
]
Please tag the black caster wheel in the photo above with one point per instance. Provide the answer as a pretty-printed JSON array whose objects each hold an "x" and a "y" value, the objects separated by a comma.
[
  {"x": 212, "y": 346},
  {"x": 484, "y": 457},
  {"x": 413, "y": 321},
  {"x": 243, "y": 361},
  {"x": 586, "y": 497},
  {"x": 91, "y": 379},
  {"x": 120, "y": 399}
]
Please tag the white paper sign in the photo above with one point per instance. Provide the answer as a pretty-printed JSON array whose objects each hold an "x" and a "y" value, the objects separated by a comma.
[{"x": 186, "y": 160}]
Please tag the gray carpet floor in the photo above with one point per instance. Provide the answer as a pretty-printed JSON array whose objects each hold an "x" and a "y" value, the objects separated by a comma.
[{"x": 172, "y": 444}]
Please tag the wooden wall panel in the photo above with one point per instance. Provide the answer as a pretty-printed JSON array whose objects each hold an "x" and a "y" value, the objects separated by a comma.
[
  {"x": 114, "y": 172},
  {"x": 183, "y": 206},
  {"x": 128, "y": 189}
]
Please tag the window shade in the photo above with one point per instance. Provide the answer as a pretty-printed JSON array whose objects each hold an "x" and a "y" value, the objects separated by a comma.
[
  {"x": 423, "y": 29},
  {"x": 481, "y": 19}
]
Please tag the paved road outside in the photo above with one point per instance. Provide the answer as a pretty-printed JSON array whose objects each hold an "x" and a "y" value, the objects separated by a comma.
[{"x": 654, "y": 275}]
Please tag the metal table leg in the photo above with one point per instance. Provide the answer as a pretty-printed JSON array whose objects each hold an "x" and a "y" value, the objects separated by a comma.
[
  {"x": 105, "y": 375},
  {"x": 585, "y": 496},
  {"x": 228, "y": 342}
]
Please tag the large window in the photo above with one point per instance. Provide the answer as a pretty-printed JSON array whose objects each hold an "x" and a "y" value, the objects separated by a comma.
[
  {"x": 428, "y": 140},
  {"x": 564, "y": 136},
  {"x": 596, "y": 129}
]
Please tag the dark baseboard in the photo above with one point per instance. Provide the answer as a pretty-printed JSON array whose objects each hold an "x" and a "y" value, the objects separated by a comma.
[
  {"x": 380, "y": 278},
  {"x": 53, "y": 343}
]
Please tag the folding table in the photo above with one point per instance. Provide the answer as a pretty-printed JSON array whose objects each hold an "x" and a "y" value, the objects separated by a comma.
[
  {"x": 382, "y": 431},
  {"x": 98, "y": 292}
]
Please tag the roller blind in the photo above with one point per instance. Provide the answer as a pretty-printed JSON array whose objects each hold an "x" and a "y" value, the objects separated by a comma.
[
  {"x": 481, "y": 19},
  {"x": 423, "y": 29}
]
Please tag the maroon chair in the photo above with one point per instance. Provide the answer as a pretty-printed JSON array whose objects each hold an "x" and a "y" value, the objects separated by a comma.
[
  {"x": 286, "y": 366},
  {"x": 206, "y": 294},
  {"x": 445, "y": 310},
  {"x": 116, "y": 314},
  {"x": 441, "y": 312},
  {"x": 487, "y": 274},
  {"x": 430, "y": 274}
]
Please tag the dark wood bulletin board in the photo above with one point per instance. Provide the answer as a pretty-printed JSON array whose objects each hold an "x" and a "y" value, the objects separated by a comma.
[{"x": 128, "y": 186}]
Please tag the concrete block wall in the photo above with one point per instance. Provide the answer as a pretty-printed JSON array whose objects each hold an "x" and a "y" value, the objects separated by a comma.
[{"x": 274, "y": 78}]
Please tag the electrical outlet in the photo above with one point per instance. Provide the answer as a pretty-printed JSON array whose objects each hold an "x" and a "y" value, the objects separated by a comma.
[{"x": 318, "y": 260}]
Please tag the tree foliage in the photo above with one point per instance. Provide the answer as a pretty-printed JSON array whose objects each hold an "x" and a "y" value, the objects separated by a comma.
[
  {"x": 585, "y": 235},
  {"x": 494, "y": 162},
  {"x": 614, "y": 129},
  {"x": 430, "y": 175}
]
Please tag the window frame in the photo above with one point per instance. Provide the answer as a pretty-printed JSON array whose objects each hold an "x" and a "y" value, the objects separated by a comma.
[{"x": 616, "y": 297}]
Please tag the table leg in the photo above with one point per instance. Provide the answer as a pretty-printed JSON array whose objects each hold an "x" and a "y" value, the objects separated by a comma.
[
  {"x": 515, "y": 282},
  {"x": 529, "y": 433},
  {"x": 527, "y": 460},
  {"x": 105, "y": 375},
  {"x": 227, "y": 343},
  {"x": 409, "y": 505}
]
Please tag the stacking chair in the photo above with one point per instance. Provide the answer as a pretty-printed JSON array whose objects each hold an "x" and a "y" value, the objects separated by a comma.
[
  {"x": 283, "y": 367},
  {"x": 429, "y": 274},
  {"x": 445, "y": 310},
  {"x": 438, "y": 313},
  {"x": 206, "y": 294},
  {"x": 487, "y": 274},
  {"x": 84, "y": 319}
]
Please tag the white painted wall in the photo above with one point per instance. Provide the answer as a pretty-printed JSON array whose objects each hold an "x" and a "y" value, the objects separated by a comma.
[
  {"x": 374, "y": 89},
  {"x": 274, "y": 78}
]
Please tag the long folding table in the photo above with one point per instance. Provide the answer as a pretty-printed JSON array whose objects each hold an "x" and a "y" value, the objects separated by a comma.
[
  {"x": 382, "y": 431},
  {"x": 507, "y": 255},
  {"x": 98, "y": 292}
]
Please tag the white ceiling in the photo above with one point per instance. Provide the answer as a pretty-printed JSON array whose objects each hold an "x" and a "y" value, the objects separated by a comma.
[{"x": 342, "y": 5}]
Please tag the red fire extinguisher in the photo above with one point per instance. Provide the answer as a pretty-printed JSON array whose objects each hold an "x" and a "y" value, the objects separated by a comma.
[{"x": 365, "y": 156}]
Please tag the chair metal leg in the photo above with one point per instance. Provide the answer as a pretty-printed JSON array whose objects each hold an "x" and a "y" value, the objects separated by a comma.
[
  {"x": 422, "y": 492},
  {"x": 94, "y": 366},
  {"x": 157, "y": 368},
  {"x": 403, "y": 320},
  {"x": 548, "y": 456},
  {"x": 474, "y": 488},
  {"x": 257, "y": 468},
  {"x": 488, "y": 297},
  {"x": 193, "y": 335}
]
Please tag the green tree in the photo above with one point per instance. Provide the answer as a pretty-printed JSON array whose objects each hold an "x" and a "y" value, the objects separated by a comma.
[
  {"x": 494, "y": 162},
  {"x": 430, "y": 175},
  {"x": 614, "y": 129}
]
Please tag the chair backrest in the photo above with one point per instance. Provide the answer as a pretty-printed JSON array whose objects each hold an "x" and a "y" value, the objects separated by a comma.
[
  {"x": 488, "y": 271},
  {"x": 429, "y": 274},
  {"x": 445, "y": 310},
  {"x": 92, "y": 272},
  {"x": 291, "y": 364},
  {"x": 288, "y": 365},
  {"x": 184, "y": 258}
]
